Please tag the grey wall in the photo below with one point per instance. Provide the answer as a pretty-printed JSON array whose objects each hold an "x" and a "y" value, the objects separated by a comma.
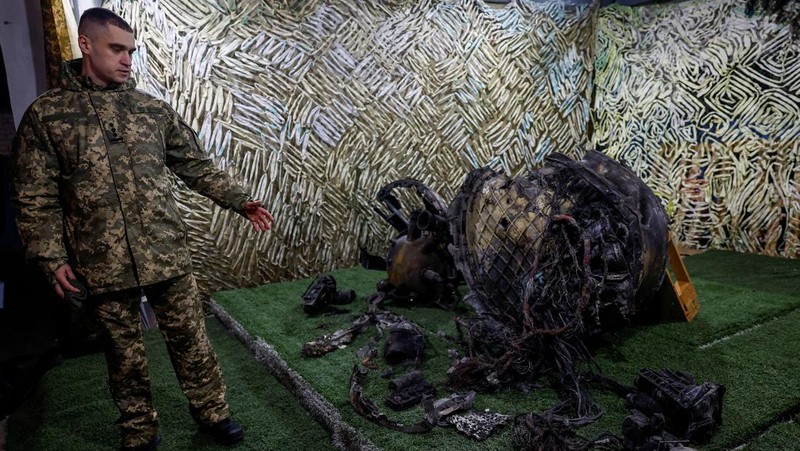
[{"x": 22, "y": 41}]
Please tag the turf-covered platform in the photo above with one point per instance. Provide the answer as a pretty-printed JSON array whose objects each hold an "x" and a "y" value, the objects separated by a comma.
[{"x": 745, "y": 337}]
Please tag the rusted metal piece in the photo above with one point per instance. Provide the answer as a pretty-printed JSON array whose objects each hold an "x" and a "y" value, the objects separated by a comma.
[{"x": 419, "y": 266}]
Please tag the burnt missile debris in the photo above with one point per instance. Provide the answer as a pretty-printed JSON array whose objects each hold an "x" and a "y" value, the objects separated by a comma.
[
  {"x": 673, "y": 406},
  {"x": 408, "y": 390},
  {"x": 550, "y": 259},
  {"x": 420, "y": 268},
  {"x": 321, "y": 296}
]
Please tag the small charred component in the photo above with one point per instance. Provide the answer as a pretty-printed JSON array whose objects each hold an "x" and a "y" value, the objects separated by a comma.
[
  {"x": 404, "y": 343},
  {"x": 408, "y": 390},
  {"x": 641, "y": 431},
  {"x": 419, "y": 265},
  {"x": 690, "y": 410},
  {"x": 321, "y": 294}
]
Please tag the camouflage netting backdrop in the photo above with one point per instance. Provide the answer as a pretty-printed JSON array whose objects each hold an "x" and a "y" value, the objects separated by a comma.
[
  {"x": 704, "y": 103},
  {"x": 317, "y": 104}
]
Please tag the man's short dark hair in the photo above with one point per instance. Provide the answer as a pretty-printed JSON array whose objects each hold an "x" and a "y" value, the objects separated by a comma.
[{"x": 103, "y": 17}]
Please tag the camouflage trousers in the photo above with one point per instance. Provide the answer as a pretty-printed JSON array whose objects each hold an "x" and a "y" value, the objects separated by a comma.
[{"x": 177, "y": 306}]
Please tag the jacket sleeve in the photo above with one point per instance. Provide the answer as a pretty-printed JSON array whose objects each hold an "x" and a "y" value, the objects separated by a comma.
[
  {"x": 35, "y": 180},
  {"x": 186, "y": 158}
]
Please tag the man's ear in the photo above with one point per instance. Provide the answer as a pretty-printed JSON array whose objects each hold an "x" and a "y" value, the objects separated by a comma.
[{"x": 84, "y": 44}]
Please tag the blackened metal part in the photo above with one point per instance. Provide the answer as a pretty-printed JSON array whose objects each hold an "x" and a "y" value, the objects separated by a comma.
[
  {"x": 419, "y": 265},
  {"x": 533, "y": 432},
  {"x": 408, "y": 390},
  {"x": 338, "y": 339},
  {"x": 369, "y": 410},
  {"x": 437, "y": 411},
  {"x": 369, "y": 261},
  {"x": 317, "y": 293},
  {"x": 404, "y": 343},
  {"x": 368, "y": 353},
  {"x": 395, "y": 216},
  {"x": 383, "y": 321},
  {"x": 638, "y": 430},
  {"x": 321, "y": 294},
  {"x": 408, "y": 262},
  {"x": 692, "y": 411},
  {"x": 647, "y": 222},
  {"x": 432, "y": 201}
]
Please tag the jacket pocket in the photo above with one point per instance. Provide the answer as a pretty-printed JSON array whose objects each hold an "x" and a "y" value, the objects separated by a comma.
[
  {"x": 145, "y": 126},
  {"x": 69, "y": 134}
]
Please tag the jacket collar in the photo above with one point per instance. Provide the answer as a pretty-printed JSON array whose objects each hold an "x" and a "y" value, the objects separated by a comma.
[{"x": 71, "y": 79}]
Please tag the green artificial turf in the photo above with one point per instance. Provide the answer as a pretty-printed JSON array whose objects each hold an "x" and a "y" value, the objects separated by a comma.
[
  {"x": 72, "y": 410},
  {"x": 744, "y": 338}
]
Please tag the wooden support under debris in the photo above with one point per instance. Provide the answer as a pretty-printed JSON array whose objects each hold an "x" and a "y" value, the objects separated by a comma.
[{"x": 678, "y": 298}]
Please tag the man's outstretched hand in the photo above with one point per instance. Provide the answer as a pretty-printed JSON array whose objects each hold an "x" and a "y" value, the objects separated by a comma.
[{"x": 259, "y": 217}]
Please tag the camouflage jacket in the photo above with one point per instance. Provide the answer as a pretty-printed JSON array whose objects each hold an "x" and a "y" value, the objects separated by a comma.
[{"x": 92, "y": 187}]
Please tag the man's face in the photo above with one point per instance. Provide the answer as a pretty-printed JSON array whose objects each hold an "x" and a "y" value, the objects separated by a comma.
[{"x": 107, "y": 52}]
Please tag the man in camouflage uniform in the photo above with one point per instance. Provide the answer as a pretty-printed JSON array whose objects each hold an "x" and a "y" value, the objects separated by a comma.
[{"x": 91, "y": 165}]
